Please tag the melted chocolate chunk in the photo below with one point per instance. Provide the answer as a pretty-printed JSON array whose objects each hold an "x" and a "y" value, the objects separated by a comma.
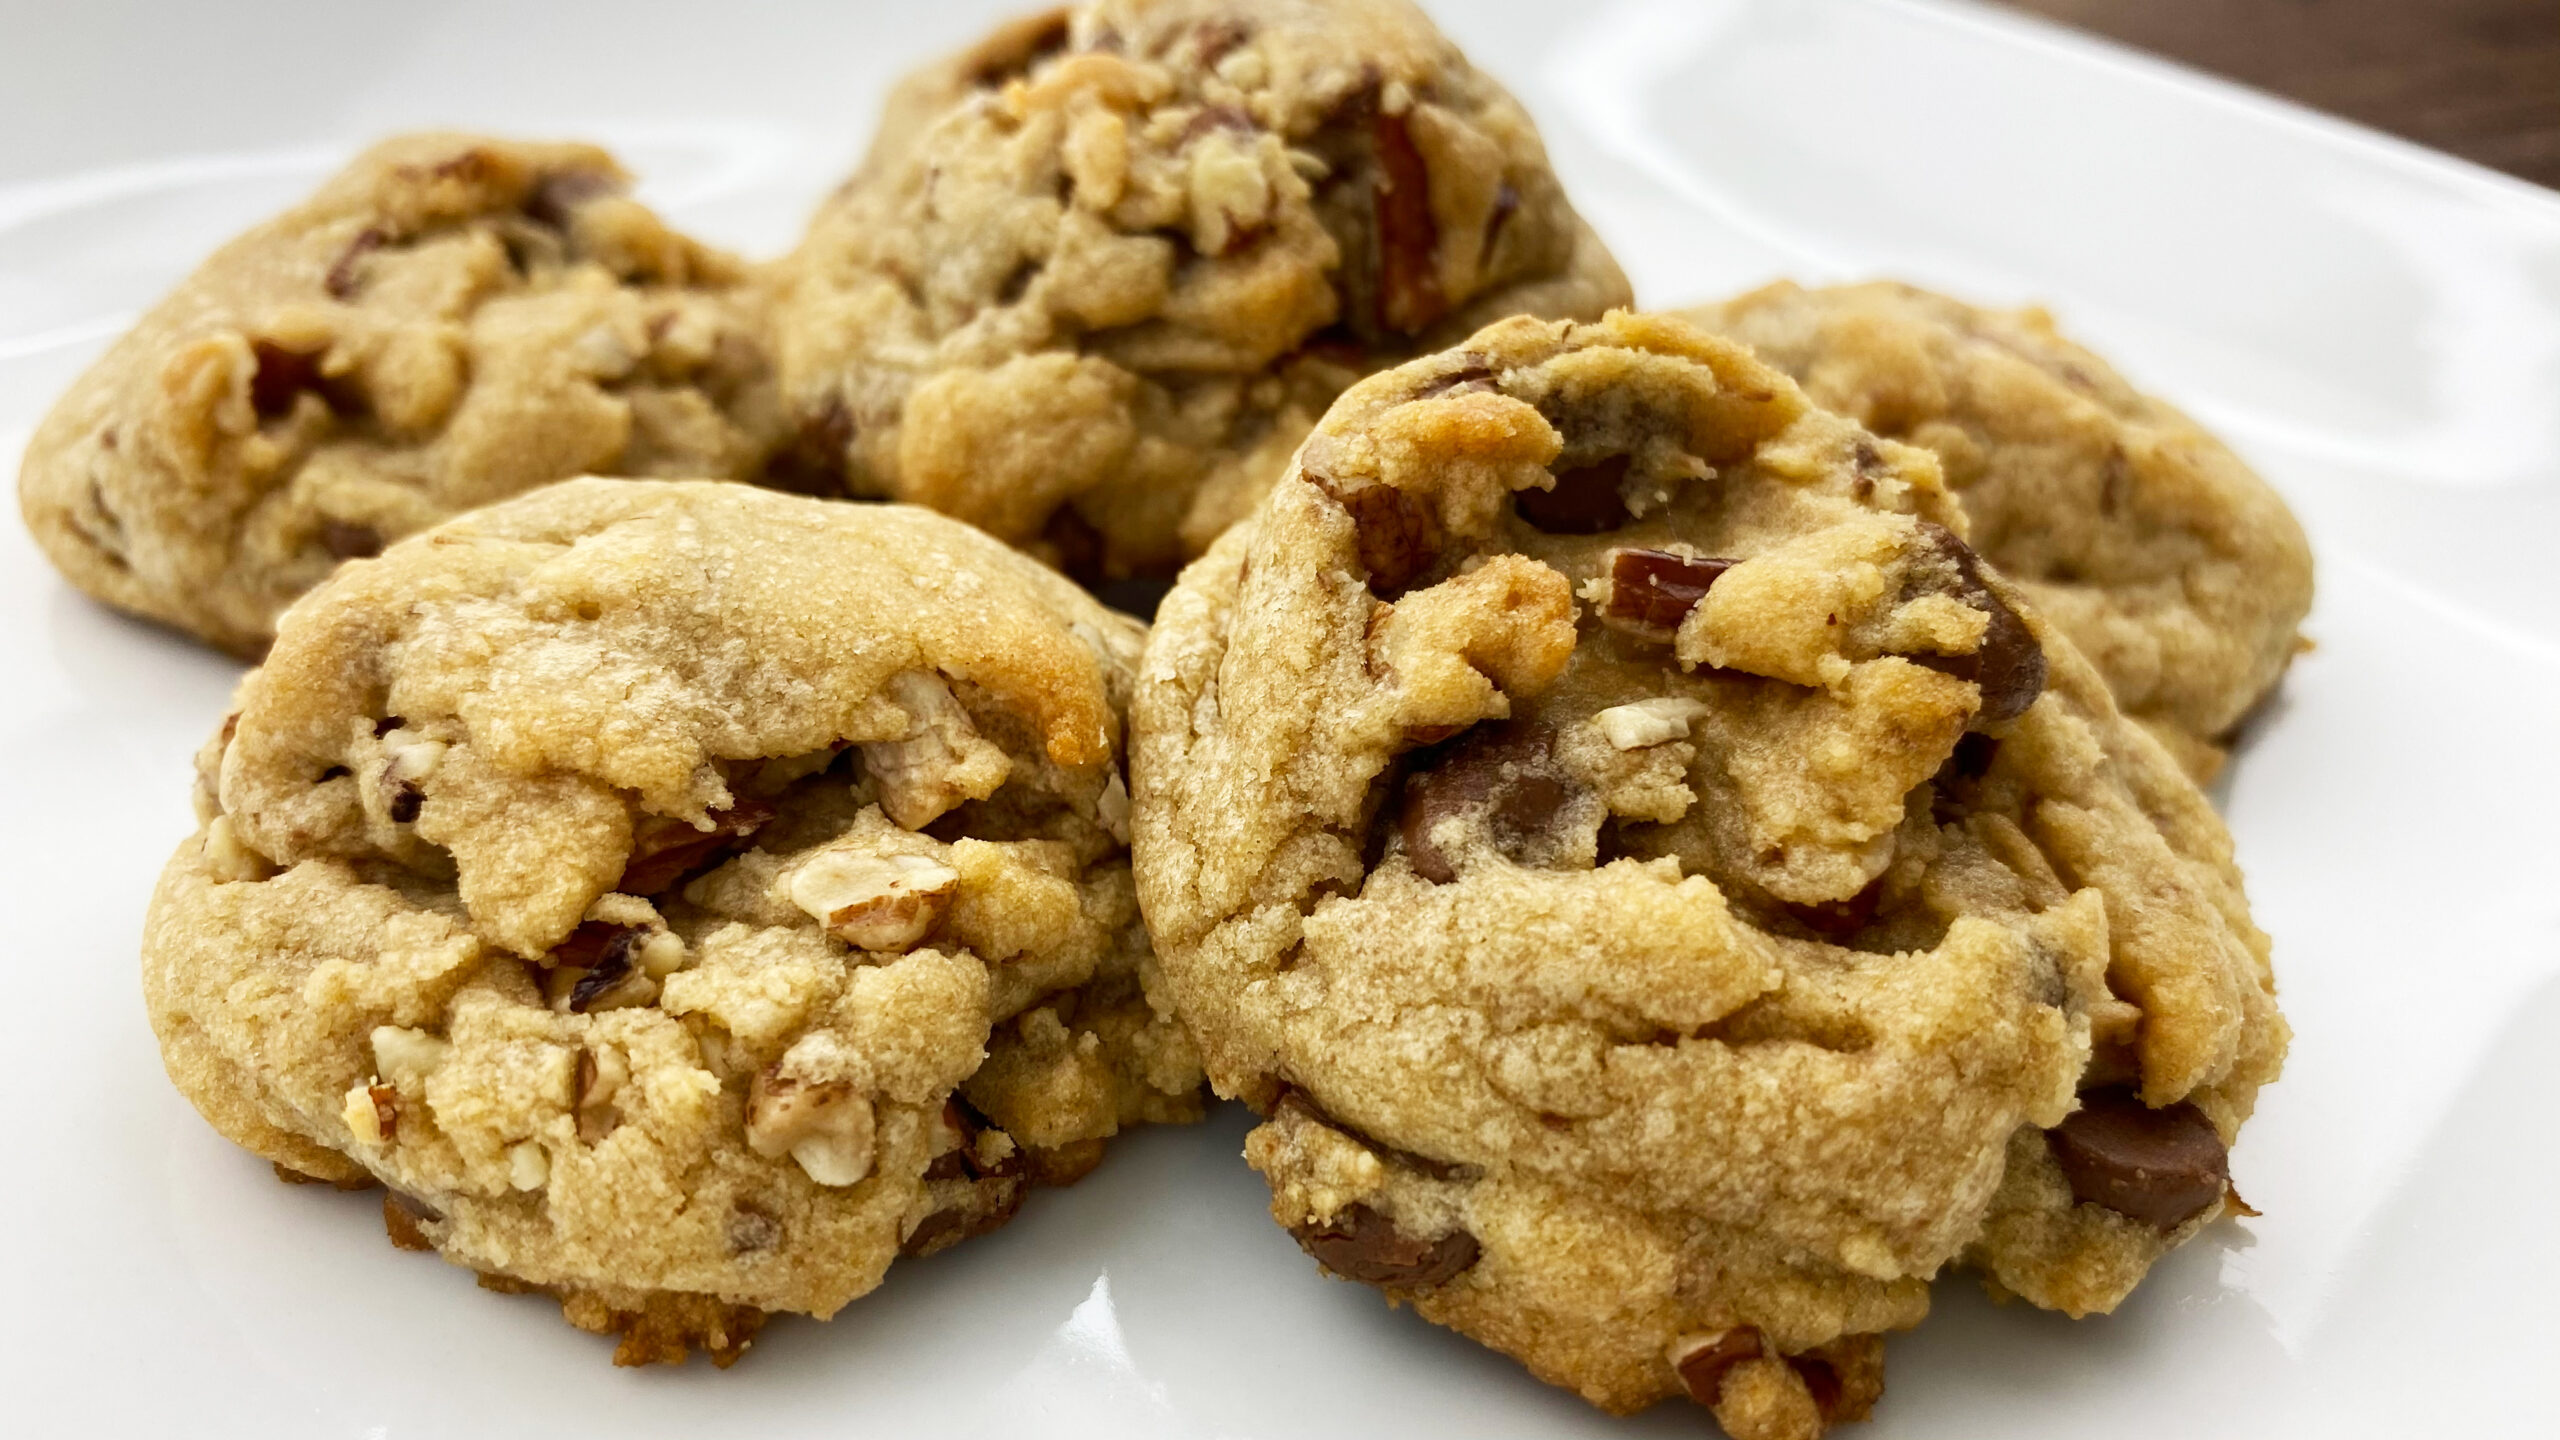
[
  {"x": 1361, "y": 1244},
  {"x": 1400, "y": 534},
  {"x": 1503, "y": 778},
  {"x": 2009, "y": 664},
  {"x": 1587, "y": 500},
  {"x": 665, "y": 853},
  {"x": 2161, "y": 1167},
  {"x": 1652, "y": 591}
]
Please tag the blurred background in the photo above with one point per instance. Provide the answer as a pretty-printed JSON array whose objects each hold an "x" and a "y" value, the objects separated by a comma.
[{"x": 2479, "y": 78}]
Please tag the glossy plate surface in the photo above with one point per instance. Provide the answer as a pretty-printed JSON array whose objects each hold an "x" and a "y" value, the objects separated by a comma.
[{"x": 2375, "y": 327}]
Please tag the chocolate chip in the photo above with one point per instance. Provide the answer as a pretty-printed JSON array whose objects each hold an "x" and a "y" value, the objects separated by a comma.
[
  {"x": 1702, "y": 1361},
  {"x": 350, "y": 541},
  {"x": 1501, "y": 778},
  {"x": 343, "y": 277},
  {"x": 2161, "y": 1167},
  {"x": 2009, "y": 665},
  {"x": 1399, "y": 533},
  {"x": 1408, "y": 239},
  {"x": 665, "y": 853},
  {"x": 557, "y": 196},
  {"x": 1652, "y": 591},
  {"x": 1361, "y": 1244},
  {"x": 406, "y": 800},
  {"x": 1586, "y": 500}
]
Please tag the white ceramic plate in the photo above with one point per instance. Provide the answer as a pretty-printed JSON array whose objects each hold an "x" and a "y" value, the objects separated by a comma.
[{"x": 2378, "y": 328}]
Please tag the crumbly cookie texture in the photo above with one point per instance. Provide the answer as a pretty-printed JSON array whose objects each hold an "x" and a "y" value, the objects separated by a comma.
[
  {"x": 1668, "y": 895},
  {"x": 450, "y": 320},
  {"x": 1101, "y": 273},
  {"x": 2170, "y": 564},
  {"x": 684, "y": 898}
]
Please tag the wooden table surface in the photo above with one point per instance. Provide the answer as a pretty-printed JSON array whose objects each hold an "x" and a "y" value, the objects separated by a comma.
[{"x": 2480, "y": 78}]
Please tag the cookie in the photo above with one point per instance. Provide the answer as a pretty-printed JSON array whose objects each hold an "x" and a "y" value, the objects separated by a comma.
[
  {"x": 684, "y": 898},
  {"x": 1669, "y": 895},
  {"x": 2166, "y": 559},
  {"x": 1101, "y": 272},
  {"x": 448, "y": 321}
]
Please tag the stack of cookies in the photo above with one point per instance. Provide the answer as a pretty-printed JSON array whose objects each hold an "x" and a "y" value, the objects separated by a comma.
[{"x": 1683, "y": 827}]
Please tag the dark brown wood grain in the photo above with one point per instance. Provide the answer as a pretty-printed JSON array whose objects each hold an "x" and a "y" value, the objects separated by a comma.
[{"x": 2479, "y": 78}]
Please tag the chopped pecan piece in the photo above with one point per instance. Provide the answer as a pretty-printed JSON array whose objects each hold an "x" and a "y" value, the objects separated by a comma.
[
  {"x": 1408, "y": 238},
  {"x": 667, "y": 852},
  {"x": 1399, "y": 533},
  {"x": 1652, "y": 591}
]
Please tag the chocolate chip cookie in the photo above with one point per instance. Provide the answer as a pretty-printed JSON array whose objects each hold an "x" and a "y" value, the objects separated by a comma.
[
  {"x": 1668, "y": 894},
  {"x": 1102, "y": 272},
  {"x": 447, "y": 322},
  {"x": 684, "y": 898},
  {"x": 2169, "y": 563}
]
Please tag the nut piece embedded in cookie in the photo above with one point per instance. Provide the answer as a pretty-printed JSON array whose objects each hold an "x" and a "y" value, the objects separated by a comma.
[
  {"x": 875, "y": 902},
  {"x": 1721, "y": 873},
  {"x": 656, "y": 994}
]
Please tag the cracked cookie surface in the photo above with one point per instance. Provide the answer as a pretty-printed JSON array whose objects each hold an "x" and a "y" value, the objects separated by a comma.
[
  {"x": 684, "y": 898},
  {"x": 449, "y": 321},
  {"x": 2171, "y": 565},
  {"x": 1667, "y": 895},
  {"x": 1101, "y": 272}
]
